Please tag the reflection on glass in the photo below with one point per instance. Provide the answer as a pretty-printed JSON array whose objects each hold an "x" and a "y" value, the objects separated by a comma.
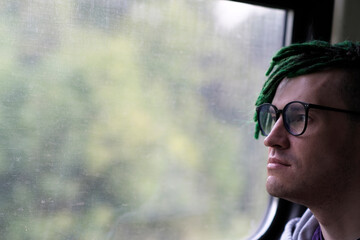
[{"x": 132, "y": 119}]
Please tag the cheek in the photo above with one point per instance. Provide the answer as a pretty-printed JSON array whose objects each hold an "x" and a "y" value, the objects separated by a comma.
[
  {"x": 323, "y": 140},
  {"x": 313, "y": 155},
  {"x": 324, "y": 157}
]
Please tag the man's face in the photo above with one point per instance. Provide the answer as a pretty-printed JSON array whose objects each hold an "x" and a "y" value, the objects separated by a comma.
[{"x": 313, "y": 166}]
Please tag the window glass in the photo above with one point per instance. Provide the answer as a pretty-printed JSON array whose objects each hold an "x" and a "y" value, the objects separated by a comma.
[{"x": 132, "y": 119}]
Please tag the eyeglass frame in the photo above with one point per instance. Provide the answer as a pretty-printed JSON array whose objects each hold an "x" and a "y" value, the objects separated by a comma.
[{"x": 307, "y": 106}]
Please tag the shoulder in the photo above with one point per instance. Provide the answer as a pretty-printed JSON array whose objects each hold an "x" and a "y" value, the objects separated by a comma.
[{"x": 300, "y": 228}]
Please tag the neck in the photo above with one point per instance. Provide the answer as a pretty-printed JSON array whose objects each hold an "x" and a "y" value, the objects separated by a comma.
[{"x": 339, "y": 218}]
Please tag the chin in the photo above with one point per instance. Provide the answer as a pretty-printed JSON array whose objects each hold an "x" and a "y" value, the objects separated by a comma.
[
  {"x": 280, "y": 190},
  {"x": 276, "y": 188}
]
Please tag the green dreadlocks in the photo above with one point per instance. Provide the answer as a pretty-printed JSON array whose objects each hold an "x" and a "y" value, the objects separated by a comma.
[{"x": 304, "y": 58}]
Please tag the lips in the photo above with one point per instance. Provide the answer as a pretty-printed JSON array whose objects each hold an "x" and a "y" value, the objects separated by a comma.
[{"x": 274, "y": 163}]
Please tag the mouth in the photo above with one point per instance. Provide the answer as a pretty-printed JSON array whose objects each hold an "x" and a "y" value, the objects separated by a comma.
[{"x": 275, "y": 163}]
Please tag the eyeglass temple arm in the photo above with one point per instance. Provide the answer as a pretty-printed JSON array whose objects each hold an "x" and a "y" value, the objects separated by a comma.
[{"x": 332, "y": 109}]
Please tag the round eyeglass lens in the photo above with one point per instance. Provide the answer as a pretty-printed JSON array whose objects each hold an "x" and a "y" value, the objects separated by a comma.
[
  {"x": 267, "y": 118},
  {"x": 295, "y": 118}
]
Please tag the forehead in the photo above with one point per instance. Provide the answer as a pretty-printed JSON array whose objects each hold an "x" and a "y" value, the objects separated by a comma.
[{"x": 317, "y": 88}]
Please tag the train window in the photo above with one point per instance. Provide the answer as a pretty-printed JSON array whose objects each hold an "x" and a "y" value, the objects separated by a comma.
[{"x": 132, "y": 119}]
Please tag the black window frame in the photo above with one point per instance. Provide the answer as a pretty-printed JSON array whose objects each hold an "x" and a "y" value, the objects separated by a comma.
[{"x": 311, "y": 20}]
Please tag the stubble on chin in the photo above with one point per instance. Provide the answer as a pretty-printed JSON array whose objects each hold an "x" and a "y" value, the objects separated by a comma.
[
  {"x": 274, "y": 186},
  {"x": 277, "y": 188}
]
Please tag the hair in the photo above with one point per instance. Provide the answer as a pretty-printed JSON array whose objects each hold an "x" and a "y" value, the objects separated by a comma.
[{"x": 310, "y": 57}]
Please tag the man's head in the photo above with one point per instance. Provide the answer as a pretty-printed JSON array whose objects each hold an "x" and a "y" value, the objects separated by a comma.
[
  {"x": 304, "y": 58},
  {"x": 309, "y": 166}
]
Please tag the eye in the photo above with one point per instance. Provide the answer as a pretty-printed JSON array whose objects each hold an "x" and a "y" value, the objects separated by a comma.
[
  {"x": 299, "y": 118},
  {"x": 296, "y": 116},
  {"x": 295, "y": 113},
  {"x": 296, "y": 121}
]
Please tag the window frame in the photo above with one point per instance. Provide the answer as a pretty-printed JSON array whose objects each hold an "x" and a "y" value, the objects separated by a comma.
[{"x": 307, "y": 25}]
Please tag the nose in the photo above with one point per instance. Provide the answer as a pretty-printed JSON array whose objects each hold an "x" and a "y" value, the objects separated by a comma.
[{"x": 278, "y": 137}]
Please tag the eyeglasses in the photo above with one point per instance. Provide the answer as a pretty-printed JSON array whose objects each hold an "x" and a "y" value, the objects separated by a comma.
[{"x": 295, "y": 116}]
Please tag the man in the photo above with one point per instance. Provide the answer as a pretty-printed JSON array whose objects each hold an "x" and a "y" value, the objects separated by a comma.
[{"x": 309, "y": 111}]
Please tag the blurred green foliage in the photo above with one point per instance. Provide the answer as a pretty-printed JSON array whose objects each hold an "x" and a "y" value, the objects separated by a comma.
[{"x": 126, "y": 120}]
